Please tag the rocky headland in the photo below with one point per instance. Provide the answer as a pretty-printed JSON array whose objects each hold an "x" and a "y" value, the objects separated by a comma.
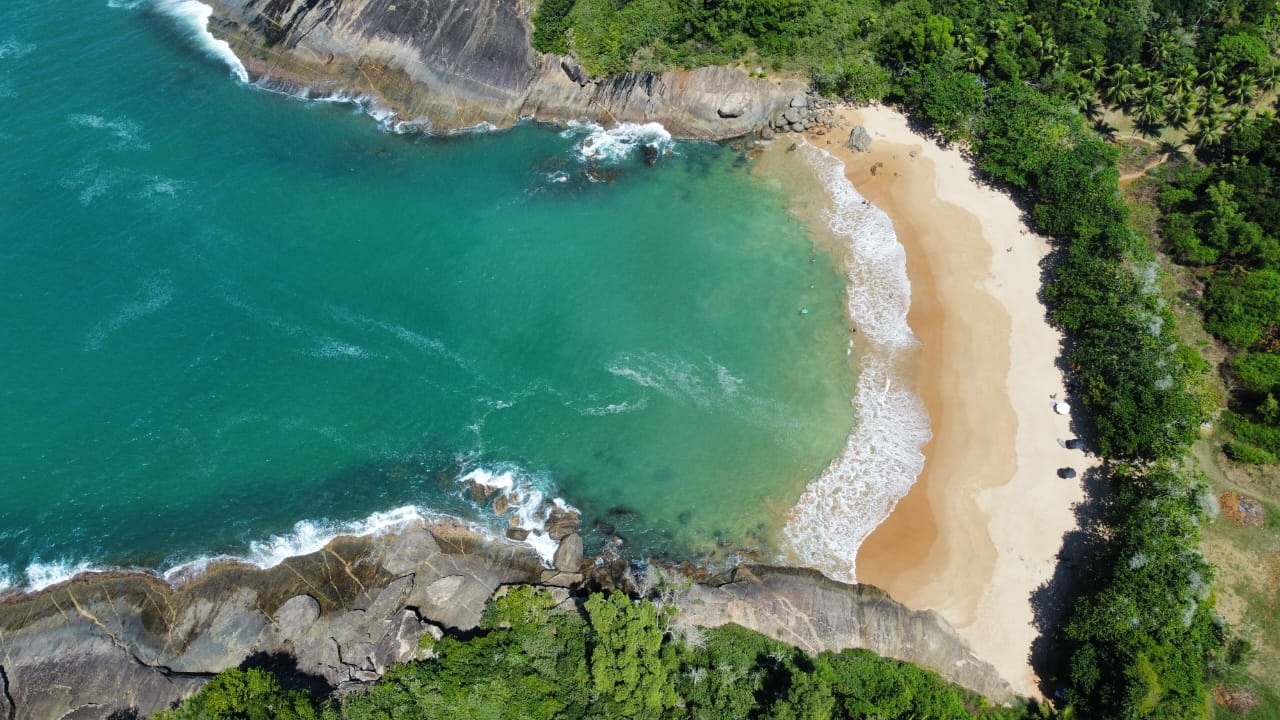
[
  {"x": 111, "y": 644},
  {"x": 450, "y": 65}
]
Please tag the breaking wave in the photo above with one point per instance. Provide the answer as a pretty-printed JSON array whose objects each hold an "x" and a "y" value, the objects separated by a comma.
[
  {"x": 616, "y": 144},
  {"x": 194, "y": 16},
  {"x": 528, "y": 503},
  {"x": 882, "y": 457}
]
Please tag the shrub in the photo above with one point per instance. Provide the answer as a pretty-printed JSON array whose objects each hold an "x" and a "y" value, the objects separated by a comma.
[{"x": 1246, "y": 454}]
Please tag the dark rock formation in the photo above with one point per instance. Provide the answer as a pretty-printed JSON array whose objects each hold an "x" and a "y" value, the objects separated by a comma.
[{"x": 452, "y": 64}]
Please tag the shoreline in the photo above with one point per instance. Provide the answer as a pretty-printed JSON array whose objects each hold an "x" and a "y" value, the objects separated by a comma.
[{"x": 979, "y": 530}]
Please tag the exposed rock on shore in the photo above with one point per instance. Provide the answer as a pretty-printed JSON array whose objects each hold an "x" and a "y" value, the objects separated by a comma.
[
  {"x": 451, "y": 65},
  {"x": 338, "y": 617},
  {"x": 801, "y": 607}
]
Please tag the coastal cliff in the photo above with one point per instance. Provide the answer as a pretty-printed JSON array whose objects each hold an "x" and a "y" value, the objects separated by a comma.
[
  {"x": 450, "y": 65},
  {"x": 113, "y": 643}
]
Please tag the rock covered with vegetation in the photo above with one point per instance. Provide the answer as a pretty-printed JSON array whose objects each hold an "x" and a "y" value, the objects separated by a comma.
[
  {"x": 339, "y": 619},
  {"x": 452, "y": 65},
  {"x": 535, "y": 658}
]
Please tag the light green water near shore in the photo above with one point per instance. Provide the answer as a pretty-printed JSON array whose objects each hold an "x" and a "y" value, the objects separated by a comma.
[{"x": 227, "y": 312}]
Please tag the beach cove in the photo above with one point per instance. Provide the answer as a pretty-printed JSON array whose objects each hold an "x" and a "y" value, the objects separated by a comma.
[{"x": 980, "y": 529}]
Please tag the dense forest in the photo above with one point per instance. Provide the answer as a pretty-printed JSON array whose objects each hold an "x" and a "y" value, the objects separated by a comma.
[
  {"x": 1024, "y": 85},
  {"x": 612, "y": 658}
]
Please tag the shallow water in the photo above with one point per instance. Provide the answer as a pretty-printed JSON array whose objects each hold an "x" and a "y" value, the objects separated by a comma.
[{"x": 235, "y": 320}]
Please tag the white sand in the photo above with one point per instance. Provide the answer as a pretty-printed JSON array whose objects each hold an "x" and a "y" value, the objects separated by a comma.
[{"x": 980, "y": 530}]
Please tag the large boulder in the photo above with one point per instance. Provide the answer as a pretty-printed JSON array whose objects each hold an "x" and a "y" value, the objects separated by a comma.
[
  {"x": 568, "y": 557},
  {"x": 859, "y": 139}
]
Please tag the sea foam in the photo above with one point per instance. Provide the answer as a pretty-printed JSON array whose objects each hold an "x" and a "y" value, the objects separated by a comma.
[
  {"x": 615, "y": 144},
  {"x": 529, "y": 504},
  {"x": 194, "y": 18},
  {"x": 41, "y": 575},
  {"x": 12, "y": 48},
  {"x": 882, "y": 456},
  {"x": 306, "y": 537},
  {"x": 154, "y": 295}
]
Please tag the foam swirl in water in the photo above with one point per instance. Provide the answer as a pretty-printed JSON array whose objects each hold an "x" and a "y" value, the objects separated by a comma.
[{"x": 882, "y": 457}]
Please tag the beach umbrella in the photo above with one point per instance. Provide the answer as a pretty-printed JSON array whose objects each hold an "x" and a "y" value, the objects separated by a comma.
[
  {"x": 1061, "y": 408},
  {"x": 1066, "y": 473}
]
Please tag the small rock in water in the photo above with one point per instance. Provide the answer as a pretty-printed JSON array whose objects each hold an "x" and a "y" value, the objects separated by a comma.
[
  {"x": 650, "y": 155},
  {"x": 517, "y": 534},
  {"x": 501, "y": 504},
  {"x": 561, "y": 522}
]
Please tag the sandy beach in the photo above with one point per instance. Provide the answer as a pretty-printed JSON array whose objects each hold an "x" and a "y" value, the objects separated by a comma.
[{"x": 980, "y": 529}]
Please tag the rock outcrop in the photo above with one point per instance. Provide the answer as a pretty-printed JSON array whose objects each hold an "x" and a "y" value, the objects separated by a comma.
[
  {"x": 105, "y": 645},
  {"x": 801, "y": 607},
  {"x": 451, "y": 64},
  {"x": 335, "y": 618}
]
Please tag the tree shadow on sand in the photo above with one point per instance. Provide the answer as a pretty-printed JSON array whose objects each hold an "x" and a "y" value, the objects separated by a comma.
[{"x": 1051, "y": 602}]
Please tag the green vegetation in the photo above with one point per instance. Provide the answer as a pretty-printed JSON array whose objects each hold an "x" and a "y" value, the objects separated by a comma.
[
  {"x": 531, "y": 660},
  {"x": 1139, "y": 638},
  {"x": 251, "y": 694}
]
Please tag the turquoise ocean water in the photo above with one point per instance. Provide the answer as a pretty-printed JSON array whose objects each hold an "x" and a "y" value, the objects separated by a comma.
[{"x": 232, "y": 321}]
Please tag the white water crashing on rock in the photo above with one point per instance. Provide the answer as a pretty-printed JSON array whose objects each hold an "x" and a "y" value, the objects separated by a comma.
[
  {"x": 529, "y": 504},
  {"x": 306, "y": 537},
  {"x": 41, "y": 575},
  {"x": 194, "y": 17},
  {"x": 882, "y": 457},
  {"x": 616, "y": 144}
]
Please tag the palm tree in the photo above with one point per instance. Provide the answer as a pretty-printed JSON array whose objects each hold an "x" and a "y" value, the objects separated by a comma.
[
  {"x": 1119, "y": 88},
  {"x": 1148, "y": 111},
  {"x": 1094, "y": 70},
  {"x": 1240, "y": 89},
  {"x": 1208, "y": 130},
  {"x": 1215, "y": 73},
  {"x": 1160, "y": 48},
  {"x": 1211, "y": 100},
  {"x": 1178, "y": 115},
  {"x": 1268, "y": 81},
  {"x": 973, "y": 52},
  {"x": 1182, "y": 81},
  {"x": 1082, "y": 96}
]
